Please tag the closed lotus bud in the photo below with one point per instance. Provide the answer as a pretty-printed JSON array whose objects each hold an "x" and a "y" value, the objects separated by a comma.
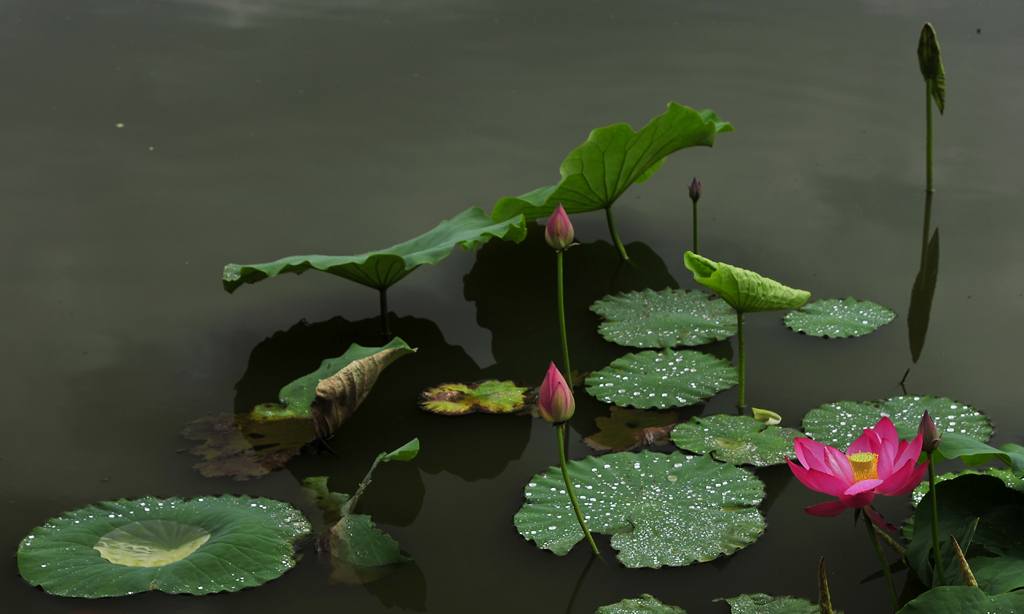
[
  {"x": 559, "y": 233},
  {"x": 929, "y": 434},
  {"x": 556, "y": 402},
  {"x": 695, "y": 191}
]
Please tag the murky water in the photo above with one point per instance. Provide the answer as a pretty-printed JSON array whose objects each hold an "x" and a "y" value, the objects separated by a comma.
[{"x": 146, "y": 144}]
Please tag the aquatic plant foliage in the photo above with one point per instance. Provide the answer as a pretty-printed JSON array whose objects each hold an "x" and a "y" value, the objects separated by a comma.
[
  {"x": 629, "y": 429},
  {"x": 745, "y": 291},
  {"x": 644, "y": 603},
  {"x": 196, "y": 546},
  {"x": 660, "y": 509},
  {"x": 666, "y": 319},
  {"x": 662, "y": 379},
  {"x": 243, "y": 446},
  {"x": 382, "y": 269},
  {"x": 835, "y": 318},
  {"x": 487, "y": 396},
  {"x": 739, "y": 440},
  {"x": 760, "y": 603},
  {"x": 964, "y": 600}
]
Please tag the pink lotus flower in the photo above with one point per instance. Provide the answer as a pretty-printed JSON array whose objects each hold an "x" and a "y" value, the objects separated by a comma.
[
  {"x": 558, "y": 232},
  {"x": 877, "y": 463},
  {"x": 556, "y": 402}
]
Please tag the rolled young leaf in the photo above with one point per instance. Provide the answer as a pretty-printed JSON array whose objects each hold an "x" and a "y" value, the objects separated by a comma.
[{"x": 744, "y": 290}]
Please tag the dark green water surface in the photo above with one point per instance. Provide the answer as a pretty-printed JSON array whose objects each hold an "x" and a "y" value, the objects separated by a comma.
[{"x": 145, "y": 144}]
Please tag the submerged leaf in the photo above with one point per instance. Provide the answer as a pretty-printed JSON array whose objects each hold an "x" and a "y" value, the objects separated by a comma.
[
  {"x": 740, "y": 440},
  {"x": 195, "y": 546},
  {"x": 744, "y": 290},
  {"x": 383, "y": 268},
  {"x": 645, "y": 603},
  {"x": 662, "y": 379},
  {"x": 248, "y": 446},
  {"x": 613, "y": 158},
  {"x": 839, "y": 318},
  {"x": 629, "y": 429},
  {"x": 670, "y": 318},
  {"x": 488, "y": 396},
  {"x": 660, "y": 509}
]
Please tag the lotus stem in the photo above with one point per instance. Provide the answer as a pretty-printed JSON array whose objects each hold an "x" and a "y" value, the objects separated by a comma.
[
  {"x": 385, "y": 330},
  {"x": 561, "y": 320},
  {"x": 615, "y": 233},
  {"x": 561, "y": 430},
  {"x": 885, "y": 564},
  {"x": 742, "y": 362},
  {"x": 892, "y": 543},
  {"x": 928, "y": 116},
  {"x": 935, "y": 520},
  {"x": 696, "y": 249}
]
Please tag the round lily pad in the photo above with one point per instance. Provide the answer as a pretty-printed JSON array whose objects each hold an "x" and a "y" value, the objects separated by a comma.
[
  {"x": 644, "y": 603},
  {"x": 488, "y": 396},
  {"x": 670, "y": 318},
  {"x": 740, "y": 440},
  {"x": 839, "y": 318},
  {"x": 759, "y": 603},
  {"x": 838, "y": 424},
  {"x": 660, "y": 509},
  {"x": 662, "y": 379},
  {"x": 196, "y": 546}
]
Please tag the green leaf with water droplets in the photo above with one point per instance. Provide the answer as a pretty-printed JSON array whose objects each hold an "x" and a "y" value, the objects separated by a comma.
[
  {"x": 838, "y": 424},
  {"x": 964, "y": 600},
  {"x": 744, "y": 290},
  {"x": 759, "y": 603},
  {"x": 839, "y": 318},
  {"x": 740, "y": 440},
  {"x": 645, "y": 603},
  {"x": 193, "y": 546},
  {"x": 670, "y": 318},
  {"x": 489, "y": 397},
  {"x": 662, "y": 379},
  {"x": 660, "y": 509}
]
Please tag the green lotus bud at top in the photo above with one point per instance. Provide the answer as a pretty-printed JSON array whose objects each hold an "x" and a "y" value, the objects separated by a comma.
[
  {"x": 745, "y": 291},
  {"x": 930, "y": 59},
  {"x": 695, "y": 191}
]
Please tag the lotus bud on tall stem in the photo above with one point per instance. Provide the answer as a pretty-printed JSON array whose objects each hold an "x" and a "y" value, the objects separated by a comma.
[
  {"x": 930, "y": 442},
  {"x": 930, "y": 61},
  {"x": 557, "y": 404},
  {"x": 695, "y": 192},
  {"x": 559, "y": 235}
]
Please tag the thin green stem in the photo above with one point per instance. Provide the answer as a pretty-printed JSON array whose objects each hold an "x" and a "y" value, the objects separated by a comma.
[
  {"x": 385, "y": 330},
  {"x": 561, "y": 321},
  {"x": 696, "y": 249},
  {"x": 742, "y": 362},
  {"x": 568, "y": 487},
  {"x": 935, "y": 520},
  {"x": 615, "y": 233},
  {"x": 928, "y": 115},
  {"x": 885, "y": 565}
]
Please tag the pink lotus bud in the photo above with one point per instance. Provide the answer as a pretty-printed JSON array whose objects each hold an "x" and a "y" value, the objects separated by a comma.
[
  {"x": 695, "y": 191},
  {"x": 559, "y": 233},
  {"x": 556, "y": 402},
  {"x": 929, "y": 433}
]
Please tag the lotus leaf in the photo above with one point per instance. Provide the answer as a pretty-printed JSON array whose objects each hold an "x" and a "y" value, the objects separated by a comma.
[
  {"x": 381, "y": 269},
  {"x": 196, "y": 546},
  {"x": 645, "y": 603},
  {"x": 839, "y": 318},
  {"x": 248, "y": 446},
  {"x": 1011, "y": 481},
  {"x": 629, "y": 429},
  {"x": 964, "y": 600},
  {"x": 660, "y": 509},
  {"x": 838, "y": 424},
  {"x": 662, "y": 379},
  {"x": 488, "y": 396},
  {"x": 759, "y": 603},
  {"x": 974, "y": 452},
  {"x": 670, "y": 318},
  {"x": 740, "y": 440},
  {"x": 745, "y": 291},
  {"x": 613, "y": 158}
]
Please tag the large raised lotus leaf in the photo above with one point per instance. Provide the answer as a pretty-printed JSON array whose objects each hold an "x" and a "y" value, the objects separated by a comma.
[
  {"x": 839, "y": 318},
  {"x": 739, "y": 440},
  {"x": 629, "y": 429},
  {"x": 248, "y": 445},
  {"x": 662, "y": 379},
  {"x": 838, "y": 424},
  {"x": 759, "y": 603},
  {"x": 381, "y": 269},
  {"x": 670, "y": 318},
  {"x": 660, "y": 509},
  {"x": 964, "y": 600},
  {"x": 196, "y": 546},
  {"x": 613, "y": 158},
  {"x": 644, "y": 603},
  {"x": 973, "y": 452},
  {"x": 745, "y": 291},
  {"x": 1011, "y": 481},
  {"x": 488, "y": 396}
]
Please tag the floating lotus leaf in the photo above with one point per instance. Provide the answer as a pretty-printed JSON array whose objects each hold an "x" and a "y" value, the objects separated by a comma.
[
  {"x": 381, "y": 269},
  {"x": 645, "y": 603},
  {"x": 1011, "y": 481},
  {"x": 488, "y": 396},
  {"x": 662, "y": 379},
  {"x": 838, "y": 424},
  {"x": 759, "y": 603},
  {"x": 248, "y": 446},
  {"x": 196, "y": 546},
  {"x": 964, "y": 600},
  {"x": 745, "y": 291},
  {"x": 613, "y": 158},
  {"x": 670, "y": 318},
  {"x": 660, "y": 509},
  {"x": 839, "y": 318},
  {"x": 629, "y": 429},
  {"x": 740, "y": 440}
]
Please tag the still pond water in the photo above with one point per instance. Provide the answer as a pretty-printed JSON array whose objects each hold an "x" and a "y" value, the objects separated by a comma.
[{"x": 148, "y": 143}]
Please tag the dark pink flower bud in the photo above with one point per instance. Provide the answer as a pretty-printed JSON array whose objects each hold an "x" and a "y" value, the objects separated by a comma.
[
  {"x": 695, "y": 191},
  {"x": 559, "y": 233},
  {"x": 929, "y": 433},
  {"x": 556, "y": 402}
]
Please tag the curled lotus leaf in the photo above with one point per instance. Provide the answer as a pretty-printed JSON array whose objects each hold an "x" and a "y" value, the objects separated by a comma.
[
  {"x": 839, "y": 318},
  {"x": 662, "y": 379},
  {"x": 744, "y": 290},
  {"x": 740, "y": 440},
  {"x": 488, "y": 396},
  {"x": 194, "y": 546},
  {"x": 670, "y": 318}
]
